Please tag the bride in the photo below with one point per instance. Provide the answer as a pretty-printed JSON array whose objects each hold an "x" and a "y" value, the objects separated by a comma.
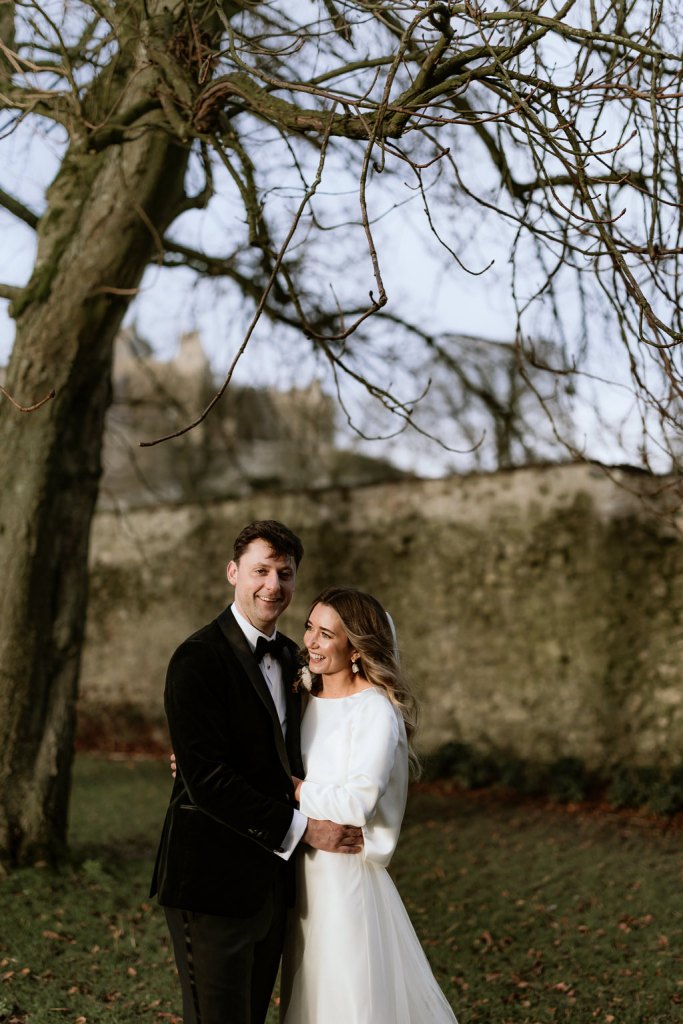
[{"x": 351, "y": 954}]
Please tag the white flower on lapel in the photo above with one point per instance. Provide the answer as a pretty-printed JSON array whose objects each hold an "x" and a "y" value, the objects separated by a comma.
[{"x": 304, "y": 679}]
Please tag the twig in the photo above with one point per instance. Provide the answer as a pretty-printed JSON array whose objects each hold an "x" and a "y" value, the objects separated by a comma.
[
  {"x": 262, "y": 302},
  {"x": 27, "y": 408}
]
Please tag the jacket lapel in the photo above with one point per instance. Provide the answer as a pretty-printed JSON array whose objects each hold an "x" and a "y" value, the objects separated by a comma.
[
  {"x": 290, "y": 667},
  {"x": 238, "y": 642}
]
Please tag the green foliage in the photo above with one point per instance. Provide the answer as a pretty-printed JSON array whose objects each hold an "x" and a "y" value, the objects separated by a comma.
[
  {"x": 463, "y": 763},
  {"x": 667, "y": 797},
  {"x": 631, "y": 787},
  {"x": 566, "y": 780},
  {"x": 659, "y": 790},
  {"x": 529, "y": 913}
]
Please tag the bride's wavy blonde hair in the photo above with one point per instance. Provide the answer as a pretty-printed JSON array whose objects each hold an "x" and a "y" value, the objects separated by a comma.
[{"x": 370, "y": 632}]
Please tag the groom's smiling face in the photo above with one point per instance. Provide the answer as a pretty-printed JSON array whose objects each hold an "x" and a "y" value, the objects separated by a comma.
[{"x": 264, "y": 584}]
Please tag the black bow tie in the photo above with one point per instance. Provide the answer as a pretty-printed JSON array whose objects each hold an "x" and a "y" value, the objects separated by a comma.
[{"x": 272, "y": 647}]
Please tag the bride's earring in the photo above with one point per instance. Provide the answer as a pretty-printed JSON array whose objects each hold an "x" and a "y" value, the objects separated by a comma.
[{"x": 354, "y": 666}]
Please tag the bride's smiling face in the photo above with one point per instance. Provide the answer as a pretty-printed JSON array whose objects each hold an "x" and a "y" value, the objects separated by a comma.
[{"x": 329, "y": 650}]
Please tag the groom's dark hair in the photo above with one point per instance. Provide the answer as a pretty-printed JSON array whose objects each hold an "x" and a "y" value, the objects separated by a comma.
[{"x": 281, "y": 539}]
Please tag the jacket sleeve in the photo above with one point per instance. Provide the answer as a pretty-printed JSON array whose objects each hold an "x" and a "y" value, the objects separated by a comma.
[
  {"x": 374, "y": 741},
  {"x": 200, "y": 734}
]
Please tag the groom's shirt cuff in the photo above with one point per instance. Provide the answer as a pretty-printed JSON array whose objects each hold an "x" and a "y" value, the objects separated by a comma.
[{"x": 293, "y": 837}]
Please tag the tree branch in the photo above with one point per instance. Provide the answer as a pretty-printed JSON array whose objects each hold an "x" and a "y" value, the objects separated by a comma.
[
  {"x": 260, "y": 102},
  {"x": 10, "y": 291},
  {"x": 17, "y": 209}
]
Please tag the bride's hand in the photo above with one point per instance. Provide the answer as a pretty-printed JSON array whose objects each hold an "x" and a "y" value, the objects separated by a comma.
[
  {"x": 297, "y": 788},
  {"x": 174, "y": 768}
]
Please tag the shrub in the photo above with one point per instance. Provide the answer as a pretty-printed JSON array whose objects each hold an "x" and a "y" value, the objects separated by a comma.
[
  {"x": 632, "y": 786},
  {"x": 567, "y": 780}
]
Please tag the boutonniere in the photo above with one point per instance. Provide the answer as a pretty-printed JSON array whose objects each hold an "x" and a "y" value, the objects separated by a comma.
[{"x": 304, "y": 680}]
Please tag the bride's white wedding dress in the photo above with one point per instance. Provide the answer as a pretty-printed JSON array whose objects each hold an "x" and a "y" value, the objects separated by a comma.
[{"x": 351, "y": 955}]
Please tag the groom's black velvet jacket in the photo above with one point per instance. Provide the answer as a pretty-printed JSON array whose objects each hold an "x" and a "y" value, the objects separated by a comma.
[{"x": 232, "y": 800}]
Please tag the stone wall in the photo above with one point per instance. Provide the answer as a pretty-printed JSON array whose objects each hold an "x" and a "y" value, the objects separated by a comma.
[{"x": 540, "y": 611}]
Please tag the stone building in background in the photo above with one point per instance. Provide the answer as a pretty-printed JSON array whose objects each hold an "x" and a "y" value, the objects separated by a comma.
[{"x": 253, "y": 439}]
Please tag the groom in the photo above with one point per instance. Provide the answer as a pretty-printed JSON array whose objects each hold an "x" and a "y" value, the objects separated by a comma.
[{"x": 223, "y": 872}]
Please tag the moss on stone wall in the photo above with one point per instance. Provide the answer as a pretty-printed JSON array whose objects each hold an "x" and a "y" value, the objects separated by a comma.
[{"x": 540, "y": 611}]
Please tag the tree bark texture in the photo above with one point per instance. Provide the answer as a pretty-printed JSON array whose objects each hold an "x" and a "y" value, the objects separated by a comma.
[{"x": 106, "y": 212}]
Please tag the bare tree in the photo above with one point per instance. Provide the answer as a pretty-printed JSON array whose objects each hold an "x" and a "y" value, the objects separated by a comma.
[{"x": 555, "y": 124}]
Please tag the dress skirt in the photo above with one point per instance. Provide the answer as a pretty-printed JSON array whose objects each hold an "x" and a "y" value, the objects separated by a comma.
[{"x": 351, "y": 954}]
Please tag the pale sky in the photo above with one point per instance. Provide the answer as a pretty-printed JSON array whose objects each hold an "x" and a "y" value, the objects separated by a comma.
[{"x": 434, "y": 293}]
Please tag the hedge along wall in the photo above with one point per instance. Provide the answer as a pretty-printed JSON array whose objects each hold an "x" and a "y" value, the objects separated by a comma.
[{"x": 539, "y": 611}]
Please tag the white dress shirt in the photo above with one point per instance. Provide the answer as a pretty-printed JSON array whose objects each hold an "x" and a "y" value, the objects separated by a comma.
[
  {"x": 272, "y": 673},
  {"x": 271, "y": 669}
]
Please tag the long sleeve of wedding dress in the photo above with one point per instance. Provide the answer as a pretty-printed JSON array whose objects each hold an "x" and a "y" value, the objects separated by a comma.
[
  {"x": 371, "y": 754},
  {"x": 351, "y": 955}
]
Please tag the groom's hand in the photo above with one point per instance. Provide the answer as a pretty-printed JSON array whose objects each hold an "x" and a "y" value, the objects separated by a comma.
[{"x": 327, "y": 835}]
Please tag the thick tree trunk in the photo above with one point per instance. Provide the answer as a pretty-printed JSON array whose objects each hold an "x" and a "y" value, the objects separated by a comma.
[{"x": 106, "y": 214}]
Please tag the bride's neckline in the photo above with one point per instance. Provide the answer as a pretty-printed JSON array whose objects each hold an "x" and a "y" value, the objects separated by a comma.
[{"x": 347, "y": 696}]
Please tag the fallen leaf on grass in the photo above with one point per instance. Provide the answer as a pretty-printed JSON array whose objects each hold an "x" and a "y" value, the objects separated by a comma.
[
  {"x": 47, "y": 934},
  {"x": 111, "y": 997},
  {"x": 561, "y": 986}
]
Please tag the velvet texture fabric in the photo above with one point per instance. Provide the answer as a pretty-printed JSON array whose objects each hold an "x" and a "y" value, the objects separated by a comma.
[{"x": 232, "y": 800}]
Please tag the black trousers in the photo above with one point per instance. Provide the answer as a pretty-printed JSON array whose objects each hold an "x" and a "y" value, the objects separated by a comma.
[{"x": 228, "y": 966}]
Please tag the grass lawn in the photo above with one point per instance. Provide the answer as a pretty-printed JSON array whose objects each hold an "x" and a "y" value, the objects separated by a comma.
[{"x": 529, "y": 912}]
